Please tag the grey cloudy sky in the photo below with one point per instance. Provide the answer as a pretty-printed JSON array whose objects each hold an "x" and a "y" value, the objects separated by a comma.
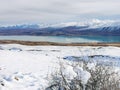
[{"x": 51, "y": 11}]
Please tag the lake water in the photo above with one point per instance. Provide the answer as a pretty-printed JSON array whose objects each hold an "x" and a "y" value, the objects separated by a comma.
[{"x": 64, "y": 39}]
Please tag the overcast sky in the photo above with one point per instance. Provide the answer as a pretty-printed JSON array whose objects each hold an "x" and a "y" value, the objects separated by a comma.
[{"x": 52, "y": 11}]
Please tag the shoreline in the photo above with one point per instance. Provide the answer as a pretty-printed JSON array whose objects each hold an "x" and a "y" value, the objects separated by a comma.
[{"x": 33, "y": 43}]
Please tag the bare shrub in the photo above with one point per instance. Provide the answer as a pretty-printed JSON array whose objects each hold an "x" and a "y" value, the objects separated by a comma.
[{"x": 101, "y": 78}]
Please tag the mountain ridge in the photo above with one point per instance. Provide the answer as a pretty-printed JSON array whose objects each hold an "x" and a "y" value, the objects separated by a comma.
[{"x": 96, "y": 27}]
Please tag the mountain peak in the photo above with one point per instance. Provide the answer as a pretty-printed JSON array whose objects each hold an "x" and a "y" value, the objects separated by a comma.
[{"x": 94, "y": 23}]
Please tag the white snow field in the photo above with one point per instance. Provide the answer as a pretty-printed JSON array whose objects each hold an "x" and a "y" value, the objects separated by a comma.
[{"x": 29, "y": 67}]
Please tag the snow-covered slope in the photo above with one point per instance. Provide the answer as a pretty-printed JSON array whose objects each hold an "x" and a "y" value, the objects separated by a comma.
[
  {"x": 96, "y": 24},
  {"x": 91, "y": 23},
  {"x": 30, "y": 67}
]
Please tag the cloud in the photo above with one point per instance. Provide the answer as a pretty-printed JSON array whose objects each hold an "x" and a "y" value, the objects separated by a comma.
[{"x": 49, "y": 11}]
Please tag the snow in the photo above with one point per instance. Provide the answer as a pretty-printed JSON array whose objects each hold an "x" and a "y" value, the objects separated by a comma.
[
  {"x": 91, "y": 66},
  {"x": 67, "y": 24},
  {"x": 92, "y": 23},
  {"x": 77, "y": 72},
  {"x": 29, "y": 67},
  {"x": 68, "y": 72},
  {"x": 82, "y": 74},
  {"x": 101, "y": 23}
]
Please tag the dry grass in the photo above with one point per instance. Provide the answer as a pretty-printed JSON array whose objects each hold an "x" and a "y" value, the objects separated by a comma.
[{"x": 31, "y": 43}]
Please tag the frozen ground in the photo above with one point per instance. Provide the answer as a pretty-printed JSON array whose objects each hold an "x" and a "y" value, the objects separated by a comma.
[{"x": 30, "y": 67}]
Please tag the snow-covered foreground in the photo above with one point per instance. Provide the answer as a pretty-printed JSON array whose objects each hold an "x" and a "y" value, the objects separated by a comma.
[{"x": 30, "y": 67}]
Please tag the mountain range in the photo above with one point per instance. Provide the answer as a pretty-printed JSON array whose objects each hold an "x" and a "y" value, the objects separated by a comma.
[{"x": 94, "y": 27}]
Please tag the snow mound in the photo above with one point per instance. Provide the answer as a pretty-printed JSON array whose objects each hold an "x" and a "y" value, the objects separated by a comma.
[
  {"x": 68, "y": 72},
  {"x": 82, "y": 75}
]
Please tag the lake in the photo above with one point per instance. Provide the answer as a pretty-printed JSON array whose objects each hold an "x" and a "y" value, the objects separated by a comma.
[{"x": 64, "y": 39}]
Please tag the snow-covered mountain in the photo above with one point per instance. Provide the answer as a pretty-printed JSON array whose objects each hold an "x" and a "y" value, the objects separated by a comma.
[
  {"x": 91, "y": 23},
  {"x": 21, "y": 26},
  {"x": 93, "y": 27}
]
